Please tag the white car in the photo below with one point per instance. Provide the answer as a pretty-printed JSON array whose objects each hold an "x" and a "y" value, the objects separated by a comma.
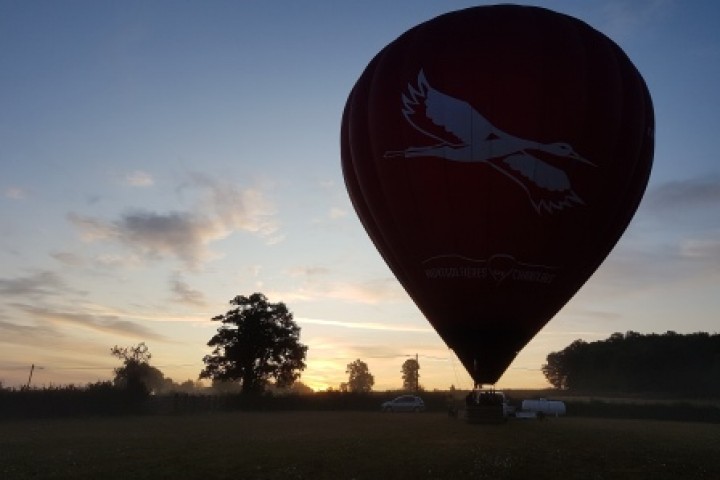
[{"x": 404, "y": 403}]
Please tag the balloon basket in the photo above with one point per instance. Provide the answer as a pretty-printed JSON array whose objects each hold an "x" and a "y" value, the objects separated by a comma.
[{"x": 485, "y": 414}]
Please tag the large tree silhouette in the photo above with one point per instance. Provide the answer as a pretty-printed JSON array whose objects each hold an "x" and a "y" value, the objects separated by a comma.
[
  {"x": 360, "y": 379},
  {"x": 411, "y": 375},
  {"x": 256, "y": 342},
  {"x": 136, "y": 375}
]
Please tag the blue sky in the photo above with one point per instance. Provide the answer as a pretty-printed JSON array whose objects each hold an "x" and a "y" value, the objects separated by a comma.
[{"x": 159, "y": 158}]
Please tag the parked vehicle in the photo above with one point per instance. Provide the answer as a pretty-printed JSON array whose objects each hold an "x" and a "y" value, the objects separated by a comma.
[
  {"x": 490, "y": 406},
  {"x": 404, "y": 403}
]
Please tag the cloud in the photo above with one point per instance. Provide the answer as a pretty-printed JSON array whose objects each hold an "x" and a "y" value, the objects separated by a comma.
[
  {"x": 162, "y": 316},
  {"x": 588, "y": 316},
  {"x": 365, "y": 325},
  {"x": 674, "y": 239},
  {"x": 154, "y": 235},
  {"x": 307, "y": 271},
  {"x": 647, "y": 267},
  {"x": 238, "y": 209},
  {"x": 185, "y": 235},
  {"x": 68, "y": 258},
  {"x": 15, "y": 193},
  {"x": 91, "y": 229},
  {"x": 630, "y": 271},
  {"x": 114, "y": 261},
  {"x": 336, "y": 213},
  {"x": 682, "y": 194},
  {"x": 184, "y": 294},
  {"x": 376, "y": 352},
  {"x": 101, "y": 323},
  {"x": 105, "y": 261},
  {"x": 39, "y": 283},
  {"x": 624, "y": 18},
  {"x": 706, "y": 249},
  {"x": 25, "y": 334},
  {"x": 181, "y": 234},
  {"x": 138, "y": 178},
  {"x": 371, "y": 292}
]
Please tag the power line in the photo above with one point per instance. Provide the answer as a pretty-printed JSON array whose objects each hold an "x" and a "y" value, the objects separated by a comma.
[
  {"x": 388, "y": 356},
  {"x": 85, "y": 367}
]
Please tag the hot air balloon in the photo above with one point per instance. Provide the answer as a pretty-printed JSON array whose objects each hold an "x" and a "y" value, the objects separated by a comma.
[{"x": 495, "y": 155}]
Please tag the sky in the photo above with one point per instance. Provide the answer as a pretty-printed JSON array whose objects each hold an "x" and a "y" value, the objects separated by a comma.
[{"x": 159, "y": 158}]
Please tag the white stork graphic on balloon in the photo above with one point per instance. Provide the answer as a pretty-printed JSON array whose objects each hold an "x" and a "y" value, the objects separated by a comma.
[{"x": 464, "y": 135}]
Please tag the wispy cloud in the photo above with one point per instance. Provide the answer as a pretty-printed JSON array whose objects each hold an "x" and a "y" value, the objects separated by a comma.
[
  {"x": 91, "y": 229},
  {"x": 39, "y": 283},
  {"x": 114, "y": 260},
  {"x": 183, "y": 293},
  {"x": 630, "y": 271},
  {"x": 155, "y": 235},
  {"x": 370, "y": 292},
  {"x": 105, "y": 324},
  {"x": 247, "y": 209},
  {"x": 68, "y": 258},
  {"x": 578, "y": 313},
  {"x": 675, "y": 239},
  {"x": 138, "y": 178},
  {"x": 151, "y": 315},
  {"x": 625, "y": 17},
  {"x": 365, "y": 325},
  {"x": 15, "y": 193},
  {"x": 706, "y": 248},
  {"x": 14, "y": 333},
  {"x": 185, "y": 235},
  {"x": 683, "y": 194},
  {"x": 300, "y": 271},
  {"x": 336, "y": 213}
]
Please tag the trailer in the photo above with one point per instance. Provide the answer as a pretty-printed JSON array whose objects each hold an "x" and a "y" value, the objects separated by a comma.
[
  {"x": 543, "y": 406},
  {"x": 494, "y": 407}
]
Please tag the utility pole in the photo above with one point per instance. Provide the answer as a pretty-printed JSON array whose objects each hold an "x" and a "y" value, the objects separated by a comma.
[
  {"x": 32, "y": 369},
  {"x": 417, "y": 374}
]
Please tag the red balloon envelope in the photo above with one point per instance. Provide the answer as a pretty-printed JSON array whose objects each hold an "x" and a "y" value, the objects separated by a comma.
[{"x": 495, "y": 155}]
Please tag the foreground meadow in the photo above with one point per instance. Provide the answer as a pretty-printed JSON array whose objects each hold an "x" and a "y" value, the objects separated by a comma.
[{"x": 355, "y": 445}]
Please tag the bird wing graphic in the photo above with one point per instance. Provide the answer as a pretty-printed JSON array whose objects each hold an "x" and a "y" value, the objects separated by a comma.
[
  {"x": 538, "y": 172},
  {"x": 548, "y": 187},
  {"x": 437, "y": 114}
]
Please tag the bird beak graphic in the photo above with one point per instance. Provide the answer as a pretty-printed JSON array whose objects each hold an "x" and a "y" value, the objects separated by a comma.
[{"x": 577, "y": 157}]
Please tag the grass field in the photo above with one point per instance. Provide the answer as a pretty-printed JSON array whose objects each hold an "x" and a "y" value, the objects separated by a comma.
[{"x": 355, "y": 445}]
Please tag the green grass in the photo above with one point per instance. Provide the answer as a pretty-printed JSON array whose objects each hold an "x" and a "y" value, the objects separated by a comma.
[{"x": 355, "y": 445}]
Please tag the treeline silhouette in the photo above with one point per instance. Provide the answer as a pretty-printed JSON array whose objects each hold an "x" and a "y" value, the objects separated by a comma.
[
  {"x": 106, "y": 399},
  {"x": 102, "y": 399},
  {"x": 669, "y": 363}
]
